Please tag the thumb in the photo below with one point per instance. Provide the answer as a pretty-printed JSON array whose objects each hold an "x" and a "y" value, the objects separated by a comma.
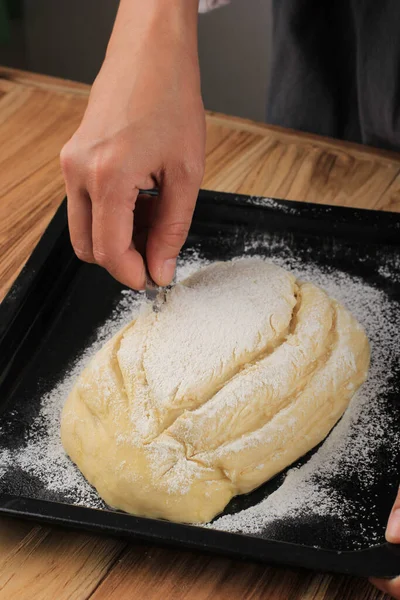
[
  {"x": 393, "y": 526},
  {"x": 169, "y": 228},
  {"x": 389, "y": 586},
  {"x": 392, "y": 586}
]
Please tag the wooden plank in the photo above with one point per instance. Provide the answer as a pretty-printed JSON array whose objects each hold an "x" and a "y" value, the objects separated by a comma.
[
  {"x": 33, "y": 205},
  {"x": 154, "y": 573},
  {"x": 51, "y": 564},
  {"x": 300, "y": 137},
  {"x": 391, "y": 198},
  {"x": 282, "y": 168},
  {"x": 34, "y": 126},
  {"x": 12, "y": 532},
  {"x": 54, "y": 84},
  {"x": 227, "y": 151},
  {"x": 6, "y": 86}
]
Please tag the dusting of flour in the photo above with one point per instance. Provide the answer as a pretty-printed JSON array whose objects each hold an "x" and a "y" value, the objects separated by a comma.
[
  {"x": 42, "y": 455},
  {"x": 351, "y": 447},
  {"x": 353, "y": 444}
]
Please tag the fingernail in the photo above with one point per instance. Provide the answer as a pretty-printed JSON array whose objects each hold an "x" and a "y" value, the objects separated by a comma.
[
  {"x": 167, "y": 271},
  {"x": 393, "y": 527}
]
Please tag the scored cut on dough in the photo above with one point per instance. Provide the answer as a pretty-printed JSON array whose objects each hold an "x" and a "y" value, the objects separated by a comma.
[{"x": 242, "y": 371}]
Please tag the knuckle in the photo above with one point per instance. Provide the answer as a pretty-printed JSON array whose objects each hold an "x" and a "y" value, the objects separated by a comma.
[
  {"x": 191, "y": 170},
  {"x": 83, "y": 253},
  {"x": 67, "y": 158},
  {"x": 100, "y": 166},
  {"x": 102, "y": 258}
]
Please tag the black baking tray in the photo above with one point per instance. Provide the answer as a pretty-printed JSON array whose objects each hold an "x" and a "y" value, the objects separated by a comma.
[{"x": 58, "y": 297}]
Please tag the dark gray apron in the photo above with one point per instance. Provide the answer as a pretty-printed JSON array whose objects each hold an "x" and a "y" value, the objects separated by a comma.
[{"x": 336, "y": 69}]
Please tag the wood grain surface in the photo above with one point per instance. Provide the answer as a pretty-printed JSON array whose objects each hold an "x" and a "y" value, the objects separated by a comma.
[{"x": 37, "y": 115}]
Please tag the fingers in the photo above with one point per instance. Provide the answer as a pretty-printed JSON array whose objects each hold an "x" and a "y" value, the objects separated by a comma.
[
  {"x": 80, "y": 224},
  {"x": 101, "y": 215},
  {"x": 105, "y": 237},
  {"x": 78, "y": 204},
  {"x": 170, "y": 226},
  {"x": 389, "y": 586},
  {"x": 113, "y": 248},
  {"x": 393, "y": 526},
  {"x": 143, "y": 217}
]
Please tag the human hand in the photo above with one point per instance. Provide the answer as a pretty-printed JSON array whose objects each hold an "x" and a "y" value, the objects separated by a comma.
[
  {"x": 392, "y": 586},
  {"x": 144, "y": 127}
]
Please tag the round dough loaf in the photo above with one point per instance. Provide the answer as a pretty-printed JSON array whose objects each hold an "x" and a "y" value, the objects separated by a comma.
[{"x": 241, "y": 372}]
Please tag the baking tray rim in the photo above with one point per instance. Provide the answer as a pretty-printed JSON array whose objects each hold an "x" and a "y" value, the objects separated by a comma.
[{"x": 382, "y": 560}]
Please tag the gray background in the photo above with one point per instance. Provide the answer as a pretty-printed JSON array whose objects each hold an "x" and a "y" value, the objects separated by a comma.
[{"x": 68, "y": 39}]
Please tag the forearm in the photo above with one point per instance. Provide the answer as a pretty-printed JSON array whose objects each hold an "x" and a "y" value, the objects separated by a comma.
[
  {"x": 149, "y": 40},
  {"x": 157, "y": 22}
]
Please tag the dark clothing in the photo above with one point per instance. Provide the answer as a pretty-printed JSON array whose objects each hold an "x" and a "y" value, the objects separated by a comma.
[{"x": 336, "y": 69}]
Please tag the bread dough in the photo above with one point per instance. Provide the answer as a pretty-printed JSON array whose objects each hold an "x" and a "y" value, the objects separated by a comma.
[{"x": 241, "y": 372}]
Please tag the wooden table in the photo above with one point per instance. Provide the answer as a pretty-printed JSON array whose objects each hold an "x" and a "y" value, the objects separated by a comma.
[{"x": 37, "y": 115}]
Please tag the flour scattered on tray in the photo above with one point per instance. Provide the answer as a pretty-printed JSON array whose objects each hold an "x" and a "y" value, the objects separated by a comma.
[
  {"x": 42, "y": 455},
  {"x": 352, "y": 447},
  {"x": 349, "y": 451}
]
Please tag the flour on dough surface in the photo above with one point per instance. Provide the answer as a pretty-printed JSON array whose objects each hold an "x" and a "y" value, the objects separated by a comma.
[{"x": 364, "y": 430}]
